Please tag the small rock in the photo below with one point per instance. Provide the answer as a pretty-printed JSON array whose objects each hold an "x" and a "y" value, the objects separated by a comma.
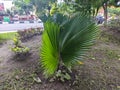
[
  {"x": 51, "y": 80},
  {"x": 38, "y": 80},
  {"x": 93, "y": 58},
  {"x": 118, "y": 87},
  {"x": 22, "y": 70},
  {"x": 45, "y": 85},
  {"x": 17, "y": 77}
]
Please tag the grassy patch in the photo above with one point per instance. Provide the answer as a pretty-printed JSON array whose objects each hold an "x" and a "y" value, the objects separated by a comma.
[
  {"x": 6, "y": 36},
  {"x": 112, "y": 54}
]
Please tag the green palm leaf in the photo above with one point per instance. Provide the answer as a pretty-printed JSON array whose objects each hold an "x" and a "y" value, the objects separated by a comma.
[
  {"x": 77, "y": 39},
  {"x": 49, "y": 48},
  {"x": 67, "y": 43}
]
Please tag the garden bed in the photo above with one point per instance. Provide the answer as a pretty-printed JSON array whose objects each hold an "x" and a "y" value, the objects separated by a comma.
[{"x": 100, "y": 69}]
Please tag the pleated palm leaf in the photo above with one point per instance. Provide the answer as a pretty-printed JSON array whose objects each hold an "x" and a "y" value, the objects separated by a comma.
[{"x": 66, "y": 43}]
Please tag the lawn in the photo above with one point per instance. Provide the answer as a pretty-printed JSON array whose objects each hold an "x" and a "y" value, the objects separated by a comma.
[{"x": 7, "y": 36}]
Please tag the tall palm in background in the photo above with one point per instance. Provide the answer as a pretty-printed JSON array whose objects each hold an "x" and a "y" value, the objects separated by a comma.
[{"x": 66, "y": 44}]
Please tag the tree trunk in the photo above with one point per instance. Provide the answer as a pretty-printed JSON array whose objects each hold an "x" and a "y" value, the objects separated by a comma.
[
  {"x": 105, "y": 12},
  {"x": 35, "y": 9}
]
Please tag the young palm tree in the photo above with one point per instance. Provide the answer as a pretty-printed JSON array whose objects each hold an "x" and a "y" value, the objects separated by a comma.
[{"x": 65, "y": 44}]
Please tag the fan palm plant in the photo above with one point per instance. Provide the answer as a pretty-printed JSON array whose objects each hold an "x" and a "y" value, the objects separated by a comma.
[{"x": 65, "y": 44}]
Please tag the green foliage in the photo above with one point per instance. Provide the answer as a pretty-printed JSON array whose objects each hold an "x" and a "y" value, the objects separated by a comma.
[
  {"x": 42, "y": 7},
  {"x": 63, "y": 8},
  {"x": 67, "y": 43},
  {"x": 7, "y": 36},
  {"x": 115, "y": 11},
  {"x": 85, "y": 6},
  {"x": 91, "y": 6},
  {"x": 16, "y": 41},
  {"x": 58, "y": 18},
  {"x": 54, "y": 9},
  {"x": 78, "y": 35},
  {"x": 49, "y": 54},
  {"x": 66, "y": 9},
  {"x": 23, "y": 6},
  {"x": 114, "y": 24},
  {"x": 18, "y": 49},
  {"x": 62, "y": 76}
]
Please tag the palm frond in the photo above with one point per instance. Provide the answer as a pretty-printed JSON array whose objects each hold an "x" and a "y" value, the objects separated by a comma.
[
  {"x": 49, "y": 48},
  {"x": 77, "y": 39}
]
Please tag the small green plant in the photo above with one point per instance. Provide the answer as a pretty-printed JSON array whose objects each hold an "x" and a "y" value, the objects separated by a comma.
[
  {"x": 115, "y": 11},
  {"x": 18, "y": 49},
  {"x": 115, "y": 24},
  {"x": 62, "y": 75},
  {"x": 16, "y": 41},
  {"x": 112, "y": 54}
]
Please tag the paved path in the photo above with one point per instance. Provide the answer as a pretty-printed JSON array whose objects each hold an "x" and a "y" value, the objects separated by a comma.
[{"x": 18, "y": 26}]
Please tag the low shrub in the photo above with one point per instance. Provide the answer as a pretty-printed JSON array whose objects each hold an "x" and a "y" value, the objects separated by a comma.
[
  {"x": 29, "y": 33},
  {"x": 115, "y": 11},
  {"x": 114, "y": 24},
  {"x": 19, "y": 50}
]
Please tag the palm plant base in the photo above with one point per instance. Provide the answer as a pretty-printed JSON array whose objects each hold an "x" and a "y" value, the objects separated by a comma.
[{"x": 64, "y": 75}]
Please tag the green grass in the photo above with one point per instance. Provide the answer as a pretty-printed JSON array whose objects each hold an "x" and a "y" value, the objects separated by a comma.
[{"x": 7, "y": 36}]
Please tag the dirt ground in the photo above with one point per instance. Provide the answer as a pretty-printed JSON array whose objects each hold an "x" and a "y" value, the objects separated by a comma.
[{"x": 100, "y": 71}]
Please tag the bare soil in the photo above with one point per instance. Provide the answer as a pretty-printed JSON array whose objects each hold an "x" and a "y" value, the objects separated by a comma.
[{"x": 100, "y": 71}]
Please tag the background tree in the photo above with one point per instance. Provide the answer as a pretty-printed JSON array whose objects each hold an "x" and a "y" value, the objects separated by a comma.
[
  {"x": 105, "y": 4},
  {"x": 42, "y": 7},
  {"x": 23, "y": 6},
  {"x": 92, "y": 6}
]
